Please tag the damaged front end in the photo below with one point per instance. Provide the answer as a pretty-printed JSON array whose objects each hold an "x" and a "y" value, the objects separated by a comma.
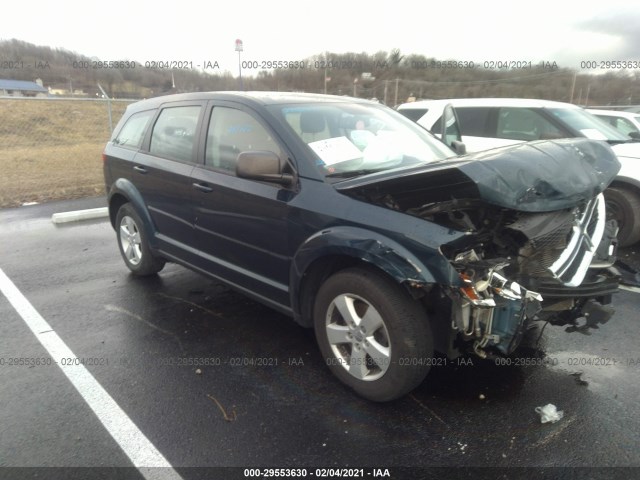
[
  {"x": 551, "y": 266},
  {"x": 548, "y": 266},
  {"x": 537, "y": 243}
]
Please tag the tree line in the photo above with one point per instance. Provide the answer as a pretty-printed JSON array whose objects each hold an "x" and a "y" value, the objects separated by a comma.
[{"x": 391, "y": 77}]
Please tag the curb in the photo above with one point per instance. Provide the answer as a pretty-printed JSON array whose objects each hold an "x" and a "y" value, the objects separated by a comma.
[{"x": 78, "y": 215}]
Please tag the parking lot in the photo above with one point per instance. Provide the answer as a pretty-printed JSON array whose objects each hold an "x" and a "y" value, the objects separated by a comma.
[{"x": 209, "y": 378}]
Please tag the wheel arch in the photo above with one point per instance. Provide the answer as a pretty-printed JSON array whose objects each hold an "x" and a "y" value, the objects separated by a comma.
[
  {"x": 123, "y": 191},
  {"x": 333, "y": 250},
  {"x": 627, "y": 182},
  {"x": 629, "y": 208}
]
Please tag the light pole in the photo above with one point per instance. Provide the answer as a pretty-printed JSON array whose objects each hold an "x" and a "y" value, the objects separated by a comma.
[{"x": 239, "y": 50}]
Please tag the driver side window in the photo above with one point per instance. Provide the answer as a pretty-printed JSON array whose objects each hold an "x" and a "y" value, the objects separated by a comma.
[{"x": 231, "y": 132}]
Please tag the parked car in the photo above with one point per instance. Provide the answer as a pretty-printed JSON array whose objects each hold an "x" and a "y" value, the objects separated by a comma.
[
  {"x": 494, "y": 122},
  {"x": 355, "y": 221},
  {"x": 627, "y": 123}
]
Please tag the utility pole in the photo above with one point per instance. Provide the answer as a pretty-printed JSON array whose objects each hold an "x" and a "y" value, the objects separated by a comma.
[
  {"x": 586, "y": 100},
  {"x": 573, "y": 86},
  {"x": 386, "y": 85},
  {"x": 239, "y": 49},
  {"x": 396, "y": 97},
  {"x": 326, "y": 79}
]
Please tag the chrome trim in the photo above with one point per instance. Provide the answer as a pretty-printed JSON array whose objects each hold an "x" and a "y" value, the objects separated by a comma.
[{"x": 572, "y": 265}]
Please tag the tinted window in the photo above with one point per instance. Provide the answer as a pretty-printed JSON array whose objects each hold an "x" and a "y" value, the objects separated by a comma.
[
  {"x": 133, "y": 131},
  {"x": 622, "y": 124},
  {"x": 174, "y": 133},
  {"x": 233, "y": 131},
  {"x": 610, "y": 120},
  {"x": 525, "y": 124},
  {"x": 474, "y": 121},
  {"x": 414, "y": 114}
]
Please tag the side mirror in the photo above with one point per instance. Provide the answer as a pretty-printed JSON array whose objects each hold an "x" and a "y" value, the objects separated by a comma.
[
  {"x": 459, "y": 147},
  {"x": 634, "y": 135},
  {"x": 449, "y": 127},
  {"x": 262, "y": 165}
]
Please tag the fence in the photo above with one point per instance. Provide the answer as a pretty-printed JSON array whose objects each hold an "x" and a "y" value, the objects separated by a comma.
[{"x": 51, "y": 148}]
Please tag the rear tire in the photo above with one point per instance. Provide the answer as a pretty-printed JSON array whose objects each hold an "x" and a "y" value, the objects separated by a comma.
[
  {"x": 623, "y": 204},
  {"x": 374, "y": 337},
  {"x": 133, "y": 244}
]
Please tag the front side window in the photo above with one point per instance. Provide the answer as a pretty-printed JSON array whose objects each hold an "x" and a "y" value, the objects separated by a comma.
[
  {"x": 132, "y": 133},
  {"x": 525, "y": 124},
  {"x": 587, "y": 125},
  {"x": 174, "y": 133},
  {"x": 231, "y": 132},
  {"x": 622, "y": 124}
]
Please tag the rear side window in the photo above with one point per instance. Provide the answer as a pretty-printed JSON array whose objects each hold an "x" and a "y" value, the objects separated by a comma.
[
  {"x": 133, "y": 131},
  {"x": 174, "y": 133},
  {"x": 474, "y": 121}
]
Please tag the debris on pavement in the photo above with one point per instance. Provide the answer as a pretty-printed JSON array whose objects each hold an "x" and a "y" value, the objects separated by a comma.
[{"x": 549, "y": 413}]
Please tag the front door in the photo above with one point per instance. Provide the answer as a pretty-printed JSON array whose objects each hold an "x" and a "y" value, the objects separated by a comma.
[{"x": 241, "y": 225}]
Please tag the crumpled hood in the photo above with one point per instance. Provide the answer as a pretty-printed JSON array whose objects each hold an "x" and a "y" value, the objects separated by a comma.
[{"x": 533, "y": 177}]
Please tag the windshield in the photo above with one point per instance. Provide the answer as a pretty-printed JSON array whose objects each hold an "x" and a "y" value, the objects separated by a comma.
[
  {"x": 588, "y": 125},
  {"x": 350, "y": 139}
]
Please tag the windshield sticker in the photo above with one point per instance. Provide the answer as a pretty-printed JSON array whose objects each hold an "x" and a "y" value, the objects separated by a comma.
[{"x": 335, "y": 150}]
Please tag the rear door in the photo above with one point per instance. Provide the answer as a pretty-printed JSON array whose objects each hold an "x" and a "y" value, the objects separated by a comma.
[{"x": 162, "y": 173}]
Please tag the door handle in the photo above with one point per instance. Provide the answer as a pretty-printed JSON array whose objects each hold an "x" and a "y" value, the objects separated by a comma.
[
  {"x": 140, "y": 169},
  {"x": 203, "y": 187}
]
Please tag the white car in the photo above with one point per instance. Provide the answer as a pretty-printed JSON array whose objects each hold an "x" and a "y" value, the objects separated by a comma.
[
  {"x": 495, "y": 122},
  {"x": 626, "y": 122}
]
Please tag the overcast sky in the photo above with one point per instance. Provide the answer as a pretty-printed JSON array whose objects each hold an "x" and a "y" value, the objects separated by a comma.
[{"x": 543, "y": 30}]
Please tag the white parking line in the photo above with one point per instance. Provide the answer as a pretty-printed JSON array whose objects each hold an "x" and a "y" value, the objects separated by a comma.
[
  {"x": 630, "y": 289},
  {"x": 133, "y": 442}
]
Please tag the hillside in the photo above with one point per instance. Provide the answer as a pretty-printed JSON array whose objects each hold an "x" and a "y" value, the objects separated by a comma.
[{"x": 383, "y": 75}]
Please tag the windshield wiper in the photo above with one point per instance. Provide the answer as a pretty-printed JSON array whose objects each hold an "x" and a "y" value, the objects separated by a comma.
[{"x": 354, "y": 173}]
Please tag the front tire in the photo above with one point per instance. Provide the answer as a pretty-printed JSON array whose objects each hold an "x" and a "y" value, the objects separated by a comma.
[
  {"x": 374, "y": 337},
  {"x": 133, "y": 244},
  {"x": 623, "y": 204}
]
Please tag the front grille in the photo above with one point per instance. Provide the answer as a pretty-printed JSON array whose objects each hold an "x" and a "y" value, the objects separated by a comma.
[
  {"x": 585, "y": 236},
  {"x": 546, "y": 251},
  {"x": 547, "y": 236},
  {"x": 556, "y": 239}
]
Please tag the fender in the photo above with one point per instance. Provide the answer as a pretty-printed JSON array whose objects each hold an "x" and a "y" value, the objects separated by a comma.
[
  {"x": 374, "y": 248},
  {"x": 125, "y": 188}
]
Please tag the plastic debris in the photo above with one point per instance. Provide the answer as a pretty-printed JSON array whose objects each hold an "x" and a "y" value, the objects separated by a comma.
[{"x": 549, "y": 413}]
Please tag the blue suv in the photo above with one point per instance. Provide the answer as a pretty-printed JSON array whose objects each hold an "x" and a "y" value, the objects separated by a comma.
[{"x": 353, "y": 220}]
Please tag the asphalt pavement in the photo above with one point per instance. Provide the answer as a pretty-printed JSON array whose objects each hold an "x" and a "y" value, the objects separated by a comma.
[{"x": 213, "y": 379}]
